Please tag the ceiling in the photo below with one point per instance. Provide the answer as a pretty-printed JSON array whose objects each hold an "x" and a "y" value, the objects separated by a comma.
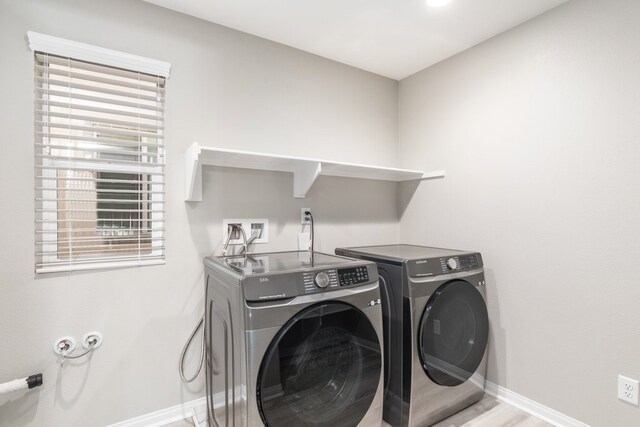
[{"x": 393, "y": 38}]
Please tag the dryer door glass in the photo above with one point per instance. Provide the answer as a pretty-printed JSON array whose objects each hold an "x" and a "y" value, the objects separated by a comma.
[
  {"x": 322, "y": 369},
  {"x": 453, "y": 333}
]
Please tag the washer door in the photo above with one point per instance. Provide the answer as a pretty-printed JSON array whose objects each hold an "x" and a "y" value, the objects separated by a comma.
[
  {"x": 321, "y": 369},
  {"x": 453, "y": 333}
]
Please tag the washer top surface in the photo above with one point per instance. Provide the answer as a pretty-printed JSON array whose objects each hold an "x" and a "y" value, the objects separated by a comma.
[
  {"x": 281, "y": 262},
  {"x": 400, "y": 253},
  {"x": 280, "y": 275}
]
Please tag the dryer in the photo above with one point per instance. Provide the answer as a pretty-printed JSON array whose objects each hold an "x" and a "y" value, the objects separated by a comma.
[
  {"x": 436, "y": 330},
  {"x": 293, "y": 339}
]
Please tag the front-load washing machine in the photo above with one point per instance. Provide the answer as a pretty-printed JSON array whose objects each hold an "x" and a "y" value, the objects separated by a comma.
[
  {"x": 435, "y": 330},
  {"x": 293, "y": 339}
]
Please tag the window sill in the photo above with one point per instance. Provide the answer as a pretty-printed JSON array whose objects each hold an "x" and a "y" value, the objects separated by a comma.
[{"x": 99, "y": 265}]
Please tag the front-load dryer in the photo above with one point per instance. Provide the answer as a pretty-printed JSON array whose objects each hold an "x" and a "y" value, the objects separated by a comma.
[
  {"x": 436, "y": 330},
  {"x": 293, "y": 339}
]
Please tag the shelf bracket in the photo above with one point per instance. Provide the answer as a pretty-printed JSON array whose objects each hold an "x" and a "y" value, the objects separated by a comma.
[
  {"x": 304, "y": 177},
  {"x": 193, "y": 174}
]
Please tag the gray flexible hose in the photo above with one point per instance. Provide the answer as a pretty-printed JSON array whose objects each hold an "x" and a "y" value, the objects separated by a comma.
[
  {"x": 244, "y": 239},
  {"x": 253, "y": 237},
  {"x": 184, "y": 353},
  {"x": 225, "y": 247},
  {"x": 245, "y": 245},
  {"x": 200, "y": 325},
  {"x": 92, "y": 347},
  {"x": 201, "y": 322}
]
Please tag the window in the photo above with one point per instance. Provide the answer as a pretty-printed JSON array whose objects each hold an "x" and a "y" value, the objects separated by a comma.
[{"x": 99, "y": 150}]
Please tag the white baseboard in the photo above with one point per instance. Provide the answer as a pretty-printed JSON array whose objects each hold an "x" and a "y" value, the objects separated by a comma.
[
  {"x": 166, "y": 416},
  {"x": 195, "y": 408},
  {"x": 534, "y": 408}
]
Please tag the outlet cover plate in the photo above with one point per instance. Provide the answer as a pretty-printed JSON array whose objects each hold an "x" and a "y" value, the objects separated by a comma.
[
  {"x": 304, "y": 220},
  {"x": 628, "y": 390}
]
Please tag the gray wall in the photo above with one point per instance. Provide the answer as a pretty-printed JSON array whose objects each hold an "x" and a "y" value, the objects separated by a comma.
[
  {"x": 538, "y": 131},
  {"x": 226, "y": 89}
]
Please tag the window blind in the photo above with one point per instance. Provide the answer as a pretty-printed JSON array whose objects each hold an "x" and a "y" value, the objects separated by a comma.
[{"x": 99, "y": 165}]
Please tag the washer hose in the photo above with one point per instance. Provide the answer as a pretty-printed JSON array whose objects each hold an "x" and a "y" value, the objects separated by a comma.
[
  {"x": 200, "y": 364},
  {"x": 184, "y": 353},
  {"x": 200, "y": 324},
  {"x": 245, "y": 244}
]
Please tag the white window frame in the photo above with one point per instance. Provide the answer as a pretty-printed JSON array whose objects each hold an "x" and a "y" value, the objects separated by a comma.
[{"x": 85, "y": 52}]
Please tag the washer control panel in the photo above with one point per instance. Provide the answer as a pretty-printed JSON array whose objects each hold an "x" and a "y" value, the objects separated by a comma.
[
  {"x": 265, "y": 287},
  {"x": 315, "y": 281},
  {"x": 353, "y": 276},
  {"x": 322, "y": 280}
]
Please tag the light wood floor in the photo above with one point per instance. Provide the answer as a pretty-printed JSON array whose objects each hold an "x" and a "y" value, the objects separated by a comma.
[{"x": 489, "y": 412}]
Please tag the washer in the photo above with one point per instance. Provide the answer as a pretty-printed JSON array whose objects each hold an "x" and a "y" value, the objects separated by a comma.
[
  {"x": 435, "y": 329},
  {"x": 293, "y": 340}
]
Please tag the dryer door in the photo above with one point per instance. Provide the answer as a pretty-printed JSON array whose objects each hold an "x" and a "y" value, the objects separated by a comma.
[
  {"x": 321, "y": 369},
  {"x": 453, "y": 333}
]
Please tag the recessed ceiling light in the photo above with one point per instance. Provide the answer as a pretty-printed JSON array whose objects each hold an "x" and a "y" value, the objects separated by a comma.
[{"x": 437, "y": 3}]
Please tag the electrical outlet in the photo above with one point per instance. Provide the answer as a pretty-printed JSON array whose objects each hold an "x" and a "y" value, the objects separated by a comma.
[
  {"x": 304, "y": 218},
  {"x": 628, "y": 390},
  {"x": 257, "y": 227}
]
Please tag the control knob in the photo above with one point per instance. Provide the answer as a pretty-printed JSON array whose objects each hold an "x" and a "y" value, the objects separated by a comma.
[
  {"x": 322, "y": 280},
  {"x": 452, "y": 263}
]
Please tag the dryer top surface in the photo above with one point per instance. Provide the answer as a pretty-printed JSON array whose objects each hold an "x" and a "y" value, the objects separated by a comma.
[{"x": 400, "y": 253}]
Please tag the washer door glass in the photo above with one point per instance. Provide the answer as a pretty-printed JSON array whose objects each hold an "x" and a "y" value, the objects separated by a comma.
[
  {"x": 322, "y": 369},
  {"x": 453, "y": 333}
]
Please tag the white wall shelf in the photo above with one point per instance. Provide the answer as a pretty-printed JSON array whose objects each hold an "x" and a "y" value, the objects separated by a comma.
[{"x": 305, "y": 171}]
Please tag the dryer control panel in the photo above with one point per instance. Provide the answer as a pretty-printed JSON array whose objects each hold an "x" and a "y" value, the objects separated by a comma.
[
  {"x": 444, "y": 265},
  {"x": 459, "y": 263}
]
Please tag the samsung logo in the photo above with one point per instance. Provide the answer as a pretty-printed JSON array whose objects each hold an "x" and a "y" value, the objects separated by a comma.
[
  {"x": 264, "y": 279},
  {"x": 424, "y": 261}
]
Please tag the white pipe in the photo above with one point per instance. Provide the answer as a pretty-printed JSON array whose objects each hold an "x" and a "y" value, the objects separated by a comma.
[
  {"x": 25, "y": 383},
  {"x": 15, "y": 385}
]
